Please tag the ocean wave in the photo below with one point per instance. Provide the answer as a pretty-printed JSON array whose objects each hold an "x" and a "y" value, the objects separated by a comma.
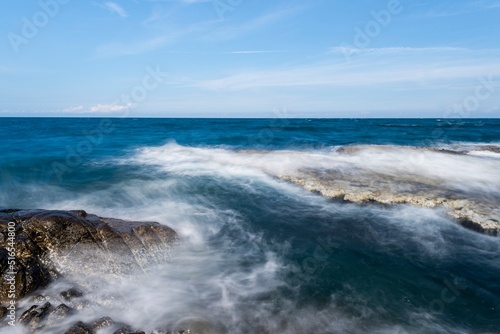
[{"x": 258, "y": 254}]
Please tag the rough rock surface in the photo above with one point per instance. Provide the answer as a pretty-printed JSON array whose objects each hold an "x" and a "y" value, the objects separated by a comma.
[
  {"x": 395, "y": 178},
  {"x": 50, "y": 244},
  {"x": 479, "y": 214},
  {"x": 46, "y": 318}
]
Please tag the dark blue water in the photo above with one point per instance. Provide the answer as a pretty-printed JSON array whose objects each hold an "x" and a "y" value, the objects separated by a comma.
[{"x": 263, "y": 255}]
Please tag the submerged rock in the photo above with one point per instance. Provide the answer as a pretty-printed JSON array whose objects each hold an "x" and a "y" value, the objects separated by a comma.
[{"x": 49, "y": 244}]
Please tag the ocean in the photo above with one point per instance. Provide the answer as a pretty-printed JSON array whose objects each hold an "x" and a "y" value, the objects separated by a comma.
[{"x": 261, "y": 254}]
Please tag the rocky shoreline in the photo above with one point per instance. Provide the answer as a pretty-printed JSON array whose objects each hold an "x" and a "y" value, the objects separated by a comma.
[
  {"x": 478, "y": 216},
  {"x": 405, "y": 182},
  {"x": 38, "y": 247}
]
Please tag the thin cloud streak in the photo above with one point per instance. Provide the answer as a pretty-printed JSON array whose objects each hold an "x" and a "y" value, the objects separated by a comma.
[
  {"x": 228, "y": 32},
  {"x": 462, "y": 9},
  {"x": 115, "y": 8},
  {"x": 392, "y": 50},
  {"x": 365, "y": 75},
  {"x": 257, "y": 51}
]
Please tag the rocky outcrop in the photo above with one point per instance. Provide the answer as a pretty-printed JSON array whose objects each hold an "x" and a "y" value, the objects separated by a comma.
[
  {"x": 49, "y": 314},
  {"x": 38, "y": 246},
  {"x": 411, "y": 175},
  {"x": 481, "y": 215}
]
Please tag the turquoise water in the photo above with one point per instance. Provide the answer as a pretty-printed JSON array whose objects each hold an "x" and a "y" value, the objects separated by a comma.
[{"x": 259, "y": 254}]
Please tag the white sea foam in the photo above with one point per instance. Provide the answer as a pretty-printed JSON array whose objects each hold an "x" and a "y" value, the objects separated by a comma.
[
  {"x": 225, "y": 278},
  {"x": 463, "y": 172}
]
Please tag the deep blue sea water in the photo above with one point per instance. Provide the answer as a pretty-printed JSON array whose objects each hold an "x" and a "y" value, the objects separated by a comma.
[{"x": 261, "y": 255}]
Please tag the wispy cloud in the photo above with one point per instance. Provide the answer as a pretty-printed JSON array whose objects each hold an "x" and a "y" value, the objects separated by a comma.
[
  {"x": 104, "y": 108},
  {"x": 115, "y": 8},
  {"x": 99, "y": 108},
  {"x": 159, "y": 14},
  {"x": 160, "y": 39},
  {"x": 228, "y": 32},
  {"x": 75, "y": 109},
  {"x": 368, "y": 72},
  {"x": 456, "y": 8},
  {"x": 391, "y": 50},
  {"x": 257, "y": 51},
  {"x": 118, "y": 49},
  {"x": 195, "y": 1}
]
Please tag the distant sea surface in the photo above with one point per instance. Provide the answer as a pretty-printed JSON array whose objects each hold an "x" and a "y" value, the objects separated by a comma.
[{"x": 258, "y": 254}]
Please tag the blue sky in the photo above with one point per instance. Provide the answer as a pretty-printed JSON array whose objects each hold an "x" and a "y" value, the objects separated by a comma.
[{"x": 244, "y": 58}]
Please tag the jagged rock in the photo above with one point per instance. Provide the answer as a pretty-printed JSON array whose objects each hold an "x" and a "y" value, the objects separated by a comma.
[
  {"x": 71, "y": 294},
  {"x": 103, "y": 322},
  {"x": 60, "y": 312},
  {"x": 38, "y": 299},
  {"x": 350, "y": 178},
  {"x": 50, "y": 244},
  {"x": 35, "y": 316},
  {"x": 82, "y": 304},
  {"x": 479, "y": 215},
  {"x": 80, "y": 328},
  {"x": 126, "y": 329}
]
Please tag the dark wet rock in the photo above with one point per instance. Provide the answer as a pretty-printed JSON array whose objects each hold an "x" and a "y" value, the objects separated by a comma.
[
  {"x": 126, "y": 329},
  {"x": 59, "y": 313},
  {"x": 38, "y": 299},
  {"x": 3, "y": 312},
  {"x": 71, "y": 294},
  {"x": 80, "y": 328},
  {"x": 35, "y": 316},
  {"x": 51, "y": 244},
  {"x": 82, "y": 304},
  {"x": 103, "y": 322}
]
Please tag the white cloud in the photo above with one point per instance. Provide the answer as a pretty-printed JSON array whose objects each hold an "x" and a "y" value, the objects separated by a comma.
[
  {"x": 115, "y": 8},
  {"x": 99, "y": 108},
  {"x": 105, "y": 108}
]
